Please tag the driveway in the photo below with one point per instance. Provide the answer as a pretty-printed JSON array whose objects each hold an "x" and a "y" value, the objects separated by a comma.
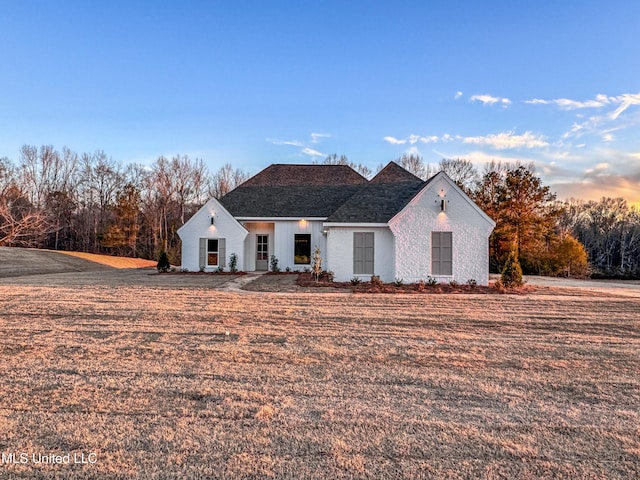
[{"x": 630, "y": 288}]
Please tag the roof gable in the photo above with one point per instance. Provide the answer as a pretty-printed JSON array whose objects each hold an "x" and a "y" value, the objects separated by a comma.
[
  {"x": 427, "y": 185},
  {"x": 212, "y": 206},
  {"x": 385, "y": 195},
  {"x": 376, "y": 202},
  {"x": 394, "y": 173}
]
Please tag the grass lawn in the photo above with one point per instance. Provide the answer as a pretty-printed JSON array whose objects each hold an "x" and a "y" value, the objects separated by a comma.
[{"x": 158, "y": 380}]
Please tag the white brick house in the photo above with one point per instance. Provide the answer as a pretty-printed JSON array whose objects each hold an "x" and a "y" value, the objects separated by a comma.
[{"x": 394, "y": 225}]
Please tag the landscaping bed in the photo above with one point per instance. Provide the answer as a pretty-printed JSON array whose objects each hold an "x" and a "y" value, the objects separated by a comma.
[{"x": 307, "y": 280}]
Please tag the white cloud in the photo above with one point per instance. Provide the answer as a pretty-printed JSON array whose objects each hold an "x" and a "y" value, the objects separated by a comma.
[
  {"x": 481, "y": 158},
  {"x": 490, "y": 100},
  {"x": 412, "y": 151},
  {"x": 575, "y": 130},
  {"x": 601, "y": 167},
  {"x": 508, "y": 140},
  {"x": 538, "y": 101},
  {"x": 394, "y": 141},
  {"x": 622, "y": 103},
  {"x": 500, "y": 141},
  {"x": 567, "y": 104},
  {"x": 411, "y": 139},
  {"x": 294, "y": 143},
  {"x": 313, "y": 153},
  {"x": 458, "y": 95},
  {"x": 316, "y": 137},
  {"x": 625, "y": 101}
]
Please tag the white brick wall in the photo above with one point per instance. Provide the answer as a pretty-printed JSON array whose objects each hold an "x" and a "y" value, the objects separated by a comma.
[
  {"x": 199, "y": 226},
  {"x": 340, "y": 253},
  {"x": 412, "y": 228}
]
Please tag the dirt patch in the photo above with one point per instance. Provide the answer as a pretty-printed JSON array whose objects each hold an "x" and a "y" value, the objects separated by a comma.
[{"x": 284, "y": 282}]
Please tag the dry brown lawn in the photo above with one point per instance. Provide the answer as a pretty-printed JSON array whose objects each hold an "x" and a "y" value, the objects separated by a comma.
[
  {"x": 167, "y": 377},
  {"x": 113, "y": 262}
]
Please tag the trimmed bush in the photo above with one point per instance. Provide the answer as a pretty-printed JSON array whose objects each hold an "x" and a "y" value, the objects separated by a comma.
[
  {"x": 511, "y": 272},
  {"x": 274, "y": 264},
  {"x": 163, "y": 262},
  {"x": 233, "y": 263}
]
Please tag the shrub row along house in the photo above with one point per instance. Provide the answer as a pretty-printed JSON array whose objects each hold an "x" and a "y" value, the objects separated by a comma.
[{"x": 395, "y": 225}]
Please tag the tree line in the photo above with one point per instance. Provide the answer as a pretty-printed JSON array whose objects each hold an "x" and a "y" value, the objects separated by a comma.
[{"x": 89, "y": 202}]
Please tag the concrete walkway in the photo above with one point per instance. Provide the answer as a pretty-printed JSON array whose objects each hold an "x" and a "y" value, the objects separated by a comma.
[{"x": 236, "y": 284}]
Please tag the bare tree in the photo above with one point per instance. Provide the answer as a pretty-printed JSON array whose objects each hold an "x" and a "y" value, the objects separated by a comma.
[
  {"x": 46, "y": 171},
  {"x": 21, "y": 224},
  {"x": 190, "y": 179},
  {"x": 461, "y": 171},
  {"x": 226, "y": 179},
  {"x": 415, "y": 164},
  {"x": 333, "y": 159}
]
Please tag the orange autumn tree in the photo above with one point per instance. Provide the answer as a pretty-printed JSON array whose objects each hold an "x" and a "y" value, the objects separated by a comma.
[{"x": 525, "y": 213}]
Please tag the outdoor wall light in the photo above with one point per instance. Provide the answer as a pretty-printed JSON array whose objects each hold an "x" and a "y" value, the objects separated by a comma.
[{"x": 442, "y": 200}]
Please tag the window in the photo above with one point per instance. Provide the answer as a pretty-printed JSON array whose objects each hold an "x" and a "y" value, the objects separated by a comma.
[
  {"x": 302, "y": 249},
  {"x": 262, "y": 248},
  {"x": 363, "y": 253},
  {"x": 212, "y": 252},
  {"x": 441, "y": 253}
]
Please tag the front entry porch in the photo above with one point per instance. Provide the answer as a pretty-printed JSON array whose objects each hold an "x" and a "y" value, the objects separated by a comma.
[{"x": 259, "y": 246}]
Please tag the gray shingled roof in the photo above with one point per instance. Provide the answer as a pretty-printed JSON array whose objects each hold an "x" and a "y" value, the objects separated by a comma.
[
  {"x": 393, "y": 173},
  {"x": 283, "y": 175},
  {"x": 377, "y": 202},
  {"x": 293, "y": 201},
  {"x": 333, "y": 191}
]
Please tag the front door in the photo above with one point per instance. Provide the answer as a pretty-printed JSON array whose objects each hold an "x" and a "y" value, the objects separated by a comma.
[{"x": 262, "y": 252}]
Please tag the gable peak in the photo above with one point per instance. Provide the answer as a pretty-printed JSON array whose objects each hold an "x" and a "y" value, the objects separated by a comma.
[{"x": 394, "y": 173}]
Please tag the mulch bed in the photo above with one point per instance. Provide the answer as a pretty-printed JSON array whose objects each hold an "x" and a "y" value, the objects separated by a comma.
[
  {"x": 178, "y": 272},
  {"x": 306, "y": 280}
]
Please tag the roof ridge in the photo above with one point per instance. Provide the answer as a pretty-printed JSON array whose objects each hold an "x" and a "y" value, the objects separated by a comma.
[{"x": 289, "y": 174}]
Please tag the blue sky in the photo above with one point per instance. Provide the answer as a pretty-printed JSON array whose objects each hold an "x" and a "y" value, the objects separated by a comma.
[{"x": 254, "y": 83}]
